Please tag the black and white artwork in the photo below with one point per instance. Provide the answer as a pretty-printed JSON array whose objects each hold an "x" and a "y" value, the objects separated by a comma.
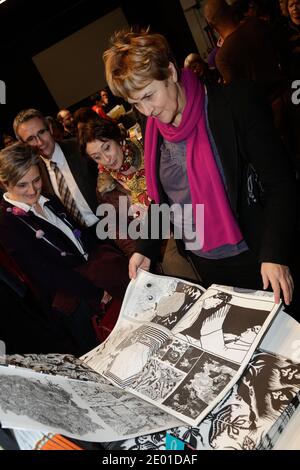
[
  {"x": 172, "y": 350},
  {"x": 155, "y": 353},
  {"x": 250, "y": 417},
  {"x": 172, "y": 307},
  {"x": 46, "y": 402},
  {"x": 159, "y": 299},
  {"x": 157, "y": 380},
  {"x": 179, "y": 354},
  {"x": 133, "y": 353},
  {"x": 124, "y": 413},
  {"x": 224, "y": 326},
  {"x": 76, "y": 408},
  {"x": 201, "y": 385},
  {"x": 66, "y": 365},
  {"x": 188, "y": 360}
]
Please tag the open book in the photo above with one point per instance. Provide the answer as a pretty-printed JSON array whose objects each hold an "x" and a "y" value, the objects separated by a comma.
[
  {"x": 180, "y": 347},
  {"x": 174, "y": 353}
]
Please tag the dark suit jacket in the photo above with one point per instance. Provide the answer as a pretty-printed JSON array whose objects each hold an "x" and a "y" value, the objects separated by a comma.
[
  {"x": 241, "y": 123},
  {"x": 47, "y": 269},
  {"x": 83, "y": 169},
  {"x": 248, "y": 54}
]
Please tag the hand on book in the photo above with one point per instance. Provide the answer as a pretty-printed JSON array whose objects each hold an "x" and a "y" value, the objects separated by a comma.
[
  {"x": 138, "y": 261},
  {"x": 280, "y": 278}
]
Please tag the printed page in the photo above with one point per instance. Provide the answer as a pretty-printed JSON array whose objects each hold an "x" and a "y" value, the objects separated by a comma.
[
  {"x": 152, "y": 306},
  {"x": 185, "y": 350},
  {"x": 251, "y": 416},
  {"x": 91, "y": 411}
]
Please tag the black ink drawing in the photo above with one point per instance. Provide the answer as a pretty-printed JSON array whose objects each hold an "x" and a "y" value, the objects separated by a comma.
[
  {"x": 157, "y": 380},
  {"x": 201, "y": 385},
  {"x": 188, "y": 360},
  {"x": 124, "y": 413},
  {"x": 252, "y": 414},
  {"x": 170, "y": 309},
  {"x": 44, "y": 402},
  {"x": 133, "y": 353},
  {"x": 66, "y": 365},
  {"x": 225, "y": 329},
  {"x": 172, "y": 351}
]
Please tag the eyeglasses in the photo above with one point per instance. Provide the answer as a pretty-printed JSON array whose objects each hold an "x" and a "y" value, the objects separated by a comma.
[{"x": 39, "y": 136}]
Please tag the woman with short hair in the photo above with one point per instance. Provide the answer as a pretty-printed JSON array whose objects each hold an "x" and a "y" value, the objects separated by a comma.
[{"x": 216, "y": 147}]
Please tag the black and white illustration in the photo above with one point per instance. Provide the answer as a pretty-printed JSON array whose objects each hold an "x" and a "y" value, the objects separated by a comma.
[
  {"x": 42, "y": 400},
  {"x": 201, "y": 386},
  {"x": 166, "y": 380},
  {"x": 160, "y": 299},
  {"x": 157, "y": 380},
  {"x": 133, "y": 353},
  {"x": 179, "y": 354},
  {"x": 100, "y": 357},
  {"x": 171, "y": 308},
  {"x": 224, "y": 325},
  {"x": 124, "y": 413},
  {"x": 66, "y": 365},
  {"x": 250, "y": 417},
  {"x": 80, "y": 409},
  {"x": 188, "y": 360},
  {"x": 172, "y": 350},
  {"x": 156, "y": 361}
]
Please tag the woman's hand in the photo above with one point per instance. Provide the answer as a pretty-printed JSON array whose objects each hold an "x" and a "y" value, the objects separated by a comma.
[
  {"x": 138, "y": 261},
  {"x": 280, "y": 278}
]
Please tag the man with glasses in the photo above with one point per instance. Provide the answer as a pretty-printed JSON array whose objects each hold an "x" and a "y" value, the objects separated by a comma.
[{"x": 65, "y": 172}]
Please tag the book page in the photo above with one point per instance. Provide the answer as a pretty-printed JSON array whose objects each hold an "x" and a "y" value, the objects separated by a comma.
[
  {"x": 88, "y": 410},
  {"x": 181, "y": 348},
  {"x": 251, "y": 416}
]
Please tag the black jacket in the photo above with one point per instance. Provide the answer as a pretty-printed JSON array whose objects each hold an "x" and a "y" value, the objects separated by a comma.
[
  {"x": 47, "y": 269},
  {"x": 83, "y": 169}
]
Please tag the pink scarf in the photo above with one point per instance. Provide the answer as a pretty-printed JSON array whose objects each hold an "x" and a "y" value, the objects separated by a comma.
[{"x": 206, "y": 185}]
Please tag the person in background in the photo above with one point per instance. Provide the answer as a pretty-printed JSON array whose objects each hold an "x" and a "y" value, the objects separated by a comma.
[
  {"x": 64, "y": 264},
  {"x": 105, "y": 102},
  {"x": 64, "y": 172},
  {"x": 293, "y": 38},
  {"x": 195, "y": 62},
  {"x": 84, "y": 115},
  {"x": 205, "y": 148},
  {"x": 7, "y": 140},
  {"x": 97, "y": 106},
  {"x": 57, "y": 128},
  {"x": 64, "y": 116},
  {"x": 247, "y": 52},
  {"x": 283, "y": 8},
  {"x": 121, "y": 173},
  {"x": 122, "y": 159}
]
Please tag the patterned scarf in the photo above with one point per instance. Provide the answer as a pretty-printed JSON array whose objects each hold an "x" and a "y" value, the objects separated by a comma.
[{"x": 131, "y": 175}]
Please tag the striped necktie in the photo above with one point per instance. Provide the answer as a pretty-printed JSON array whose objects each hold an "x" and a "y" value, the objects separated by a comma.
[{"x": 66, "y": 196}]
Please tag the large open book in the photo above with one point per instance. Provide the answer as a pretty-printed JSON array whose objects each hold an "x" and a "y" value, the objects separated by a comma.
[
  {"x": 175, "y": 353},
  {"x": 180, "y": 347}
]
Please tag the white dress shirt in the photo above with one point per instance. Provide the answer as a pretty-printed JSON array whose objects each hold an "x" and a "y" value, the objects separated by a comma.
[
  {"x": 50, "y": 217},
  {"x": 60, "y": 160}
]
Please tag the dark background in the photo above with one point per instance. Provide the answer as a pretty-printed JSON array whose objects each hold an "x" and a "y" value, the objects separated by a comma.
[{"x": 28, "y": 27}]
